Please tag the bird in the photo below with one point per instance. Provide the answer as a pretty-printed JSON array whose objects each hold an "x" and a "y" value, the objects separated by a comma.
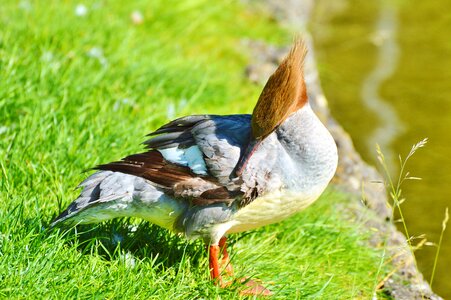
[{"x": 207, "y": 176}]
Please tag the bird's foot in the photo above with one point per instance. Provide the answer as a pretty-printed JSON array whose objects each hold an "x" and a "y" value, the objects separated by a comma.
[
  {"x": 226, "y": 266},
  {"x": 251, "y": 287}
]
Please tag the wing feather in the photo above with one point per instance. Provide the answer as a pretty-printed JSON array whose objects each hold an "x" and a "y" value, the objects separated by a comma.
[
  {"x": 220, "y": 139},
  {"x": 175, "y": 179}
]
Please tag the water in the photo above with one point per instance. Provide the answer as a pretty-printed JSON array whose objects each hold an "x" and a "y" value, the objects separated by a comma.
[{"x": 386, "y": 69}]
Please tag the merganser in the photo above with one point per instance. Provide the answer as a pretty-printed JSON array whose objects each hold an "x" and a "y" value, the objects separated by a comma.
[{"x": 210, "y": 175}]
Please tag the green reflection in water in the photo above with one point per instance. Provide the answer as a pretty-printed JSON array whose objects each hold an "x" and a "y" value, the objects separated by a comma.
[{"x": 419, "y": 90}]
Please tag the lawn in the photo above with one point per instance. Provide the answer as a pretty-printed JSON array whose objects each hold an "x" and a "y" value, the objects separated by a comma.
[{"x": 81, "y": 85}]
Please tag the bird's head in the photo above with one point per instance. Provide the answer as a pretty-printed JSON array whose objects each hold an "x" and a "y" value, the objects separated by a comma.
[{"x": 284, "y": 93}]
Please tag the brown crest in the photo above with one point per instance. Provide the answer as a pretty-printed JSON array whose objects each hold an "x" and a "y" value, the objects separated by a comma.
[{"x": 283, "y": 94}]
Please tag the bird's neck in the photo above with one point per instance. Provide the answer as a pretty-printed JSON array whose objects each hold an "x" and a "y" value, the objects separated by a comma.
[{"x": 309, "y": 146}]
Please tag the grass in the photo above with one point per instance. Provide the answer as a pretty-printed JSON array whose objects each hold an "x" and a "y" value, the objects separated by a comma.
[
  {"x": 394, "y": 185},
  {"x": 439, "y": 246},
  {"x": 76, "y": 91},
  {"x": 325, "y": 258}
]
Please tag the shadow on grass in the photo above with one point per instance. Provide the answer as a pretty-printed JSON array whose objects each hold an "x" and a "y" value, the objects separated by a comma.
[{"x": 112, "y": 239}]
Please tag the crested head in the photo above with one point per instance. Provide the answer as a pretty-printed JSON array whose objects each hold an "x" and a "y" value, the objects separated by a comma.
[{"x": 284, "y": 93}]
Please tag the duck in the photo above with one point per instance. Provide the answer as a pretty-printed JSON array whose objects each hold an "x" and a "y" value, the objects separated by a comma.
[{"x": 207, "y": 176}]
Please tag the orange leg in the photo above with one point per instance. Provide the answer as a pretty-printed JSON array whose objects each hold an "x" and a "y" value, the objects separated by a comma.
[
  {"x": 214, "y": 265},
  {"x": 252, "y": 287},
  {"x": 225, "y": 261}
]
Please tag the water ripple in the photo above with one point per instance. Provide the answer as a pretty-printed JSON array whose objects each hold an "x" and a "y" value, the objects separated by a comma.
[{"x": 387, "y": 60}]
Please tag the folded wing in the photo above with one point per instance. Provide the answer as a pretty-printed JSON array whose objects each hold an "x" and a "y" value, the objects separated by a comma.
[{"x": 192, "y": 158}]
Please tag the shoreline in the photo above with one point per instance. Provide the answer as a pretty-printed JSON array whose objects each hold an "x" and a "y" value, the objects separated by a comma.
[{"x": 353, "y": 174}]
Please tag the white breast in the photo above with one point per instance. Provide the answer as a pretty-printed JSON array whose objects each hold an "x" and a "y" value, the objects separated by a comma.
[{"x": 271, "y": 208}]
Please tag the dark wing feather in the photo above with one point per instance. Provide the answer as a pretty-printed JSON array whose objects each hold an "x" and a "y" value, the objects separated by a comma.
[
  {"x": 175, "y": 179},
  {"x": 181, "y": 139},
  {"x": 221, "y": 139},
  {"x": 181, "y": 124}
]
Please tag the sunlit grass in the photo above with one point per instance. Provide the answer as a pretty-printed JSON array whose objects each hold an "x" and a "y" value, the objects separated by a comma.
[
  {"x": 394, "y": 185},
  {"x": 314, "y": 254},
  {"x": 439, "y": 246},
  {"x": 77, "y": 90}
]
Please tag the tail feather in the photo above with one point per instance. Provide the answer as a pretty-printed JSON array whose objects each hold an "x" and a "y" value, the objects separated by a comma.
[
  {"x": 106, "y": 195},
  {"x": 96, "y": 189}
]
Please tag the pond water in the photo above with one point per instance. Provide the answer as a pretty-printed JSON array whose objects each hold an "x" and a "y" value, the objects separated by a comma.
[{"x": 386, "y": 70}]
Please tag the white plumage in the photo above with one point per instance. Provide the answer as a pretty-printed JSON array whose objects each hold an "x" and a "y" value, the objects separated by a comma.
[{"x": 191, "y": 157}]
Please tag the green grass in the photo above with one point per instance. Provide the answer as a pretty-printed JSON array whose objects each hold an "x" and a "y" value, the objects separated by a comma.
[{"x": 79, "y": 91}]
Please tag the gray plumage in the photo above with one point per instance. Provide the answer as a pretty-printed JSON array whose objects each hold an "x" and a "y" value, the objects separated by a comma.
[
  {"x": 300, "y": 155},
  {"x": 209, "y": 175}
]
